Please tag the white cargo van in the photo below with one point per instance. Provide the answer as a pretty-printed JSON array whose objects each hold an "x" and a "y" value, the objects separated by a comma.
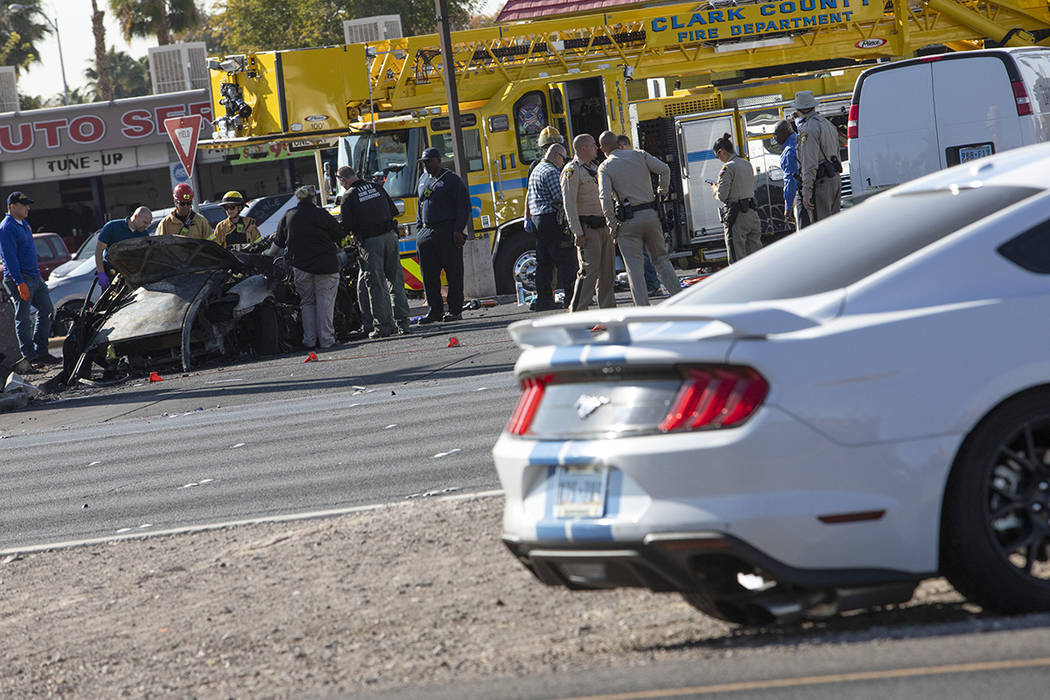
[{"x": 917, "y": 116}]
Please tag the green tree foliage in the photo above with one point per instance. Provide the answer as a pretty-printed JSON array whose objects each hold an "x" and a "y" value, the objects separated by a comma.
[
  {"x": 20, "y": 32},
  {"x": 146, "y": 18},
  {"x": 212, "y": 30},
  {"x": 266, "y": 25},
  {"x": 130, "y": 76},
  {"x": 30, "y": 101}
]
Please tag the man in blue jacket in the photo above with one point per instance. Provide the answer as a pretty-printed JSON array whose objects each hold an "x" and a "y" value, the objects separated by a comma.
[
  {"x": 785, "y": 135},
  {"x": 443, "y": 208},
  {"x": 23, "y": 282}
]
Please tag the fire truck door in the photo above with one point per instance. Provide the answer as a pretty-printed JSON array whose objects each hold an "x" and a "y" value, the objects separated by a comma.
[{"x": 696, "y": 136}]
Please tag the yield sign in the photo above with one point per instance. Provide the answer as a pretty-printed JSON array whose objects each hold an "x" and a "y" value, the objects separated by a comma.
[{"x": 183, "y": 132}]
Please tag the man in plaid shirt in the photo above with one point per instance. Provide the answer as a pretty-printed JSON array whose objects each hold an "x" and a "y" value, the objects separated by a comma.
[{"x": 554, "y": 245}]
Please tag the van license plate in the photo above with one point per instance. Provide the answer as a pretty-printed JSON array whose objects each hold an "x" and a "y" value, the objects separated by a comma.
[
  {"x": 579, "y": 491},
  {"x": 968, "y": 153}
]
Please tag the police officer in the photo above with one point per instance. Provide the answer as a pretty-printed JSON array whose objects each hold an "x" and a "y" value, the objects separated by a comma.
[
  {"x": 583, "y": 212},
  {"x": 554, "y": 249},
  {"x": 235, "y": 231},
  {"x": 625, "y": 188},
  {"x": 735, "y": 189},
  {"x": 818, "y": 153},
  {"x": 369, "y": 213},
  {"x": 442, "y": 214},
  {"x": 184, "y": 221}
]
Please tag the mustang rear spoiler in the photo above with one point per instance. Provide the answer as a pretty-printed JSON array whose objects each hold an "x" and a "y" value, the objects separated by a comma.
[{"x": 612, "y": 327}]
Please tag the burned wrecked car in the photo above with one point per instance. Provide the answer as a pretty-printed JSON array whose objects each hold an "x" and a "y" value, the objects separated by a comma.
[{"x": 180, "y": 301}]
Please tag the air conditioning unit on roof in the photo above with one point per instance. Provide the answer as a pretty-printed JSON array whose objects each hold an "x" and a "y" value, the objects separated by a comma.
[
  {"x": 178, "y": 67},
  {"x": 372, "y": 29},
  {"x": 8, "y": 89}
]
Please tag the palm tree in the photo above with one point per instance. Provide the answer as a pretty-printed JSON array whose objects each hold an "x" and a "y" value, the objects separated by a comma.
[
  {"x": 104, "y": 77},
  {"x": 144, "y": 18},
  {"x": 20, "y": 30},
  {"x": 130, "y": 77}
]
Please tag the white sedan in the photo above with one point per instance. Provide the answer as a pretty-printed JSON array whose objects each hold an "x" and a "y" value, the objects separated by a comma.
[{"x": 816, "y": 428}]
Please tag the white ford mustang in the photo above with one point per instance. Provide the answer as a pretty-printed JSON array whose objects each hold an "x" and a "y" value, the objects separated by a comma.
[{"x": 816, "y": 428}]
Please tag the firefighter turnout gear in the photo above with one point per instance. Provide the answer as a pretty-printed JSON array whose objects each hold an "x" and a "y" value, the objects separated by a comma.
[{"x": 235, "y": 235}]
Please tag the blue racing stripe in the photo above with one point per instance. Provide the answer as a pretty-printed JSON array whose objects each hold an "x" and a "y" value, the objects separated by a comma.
[
  {"x": 613, "y": 493},
  {"x": 585, "y": 530},
  {"x": 550, "y": 530},
  {"x": 697, "y": 156},
  {"x": 565, "y": 356}
]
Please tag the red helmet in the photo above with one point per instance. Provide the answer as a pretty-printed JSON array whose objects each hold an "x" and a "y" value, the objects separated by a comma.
[{"x": 183, "y": 192}]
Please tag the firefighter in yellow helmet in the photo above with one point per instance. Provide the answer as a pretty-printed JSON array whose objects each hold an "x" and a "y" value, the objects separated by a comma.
[{"x": 235, "y": 231}]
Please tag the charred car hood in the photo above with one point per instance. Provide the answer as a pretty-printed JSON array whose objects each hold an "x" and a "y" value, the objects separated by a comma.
[{"x": 149, "y": 259}]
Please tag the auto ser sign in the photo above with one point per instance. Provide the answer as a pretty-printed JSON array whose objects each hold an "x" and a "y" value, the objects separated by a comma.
[
  {"x": 758, "y": 20},
  {"x": 64, "y": 131}
]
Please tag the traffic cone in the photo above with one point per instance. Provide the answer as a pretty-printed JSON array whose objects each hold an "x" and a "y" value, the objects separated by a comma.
[
  {"x": 154, "y": 377},
  {"x": 312, "y": 357},
  {"x": 453, "y": 342}
]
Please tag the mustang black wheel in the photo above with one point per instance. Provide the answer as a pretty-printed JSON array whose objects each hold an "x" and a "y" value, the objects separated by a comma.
[{"x": 995, "y": 536}]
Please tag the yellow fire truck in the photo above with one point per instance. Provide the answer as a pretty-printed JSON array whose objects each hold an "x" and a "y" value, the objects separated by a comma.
[{"x": 382, "y": 102}]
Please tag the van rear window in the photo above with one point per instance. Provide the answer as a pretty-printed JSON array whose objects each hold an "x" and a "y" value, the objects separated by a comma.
[{"x": 852, "y": 245}]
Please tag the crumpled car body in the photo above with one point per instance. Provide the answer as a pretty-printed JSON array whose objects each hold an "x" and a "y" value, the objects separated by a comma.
[{"x": 179, "y": 300}]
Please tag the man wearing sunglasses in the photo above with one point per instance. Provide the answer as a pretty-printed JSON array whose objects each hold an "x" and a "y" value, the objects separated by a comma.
[
  {"x": 184, "y": 221},
  {"x": 235, "y": 231}
]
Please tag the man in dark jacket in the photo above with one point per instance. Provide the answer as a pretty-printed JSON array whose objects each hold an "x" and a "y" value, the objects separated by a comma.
[
  {"x": 444, "y": 208},
  {"x": 310, "y": 235},
  {"x": 369, "y": 213}
]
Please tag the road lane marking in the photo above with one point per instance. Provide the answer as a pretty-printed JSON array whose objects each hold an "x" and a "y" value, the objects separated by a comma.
[
  {"x": 820, "y": 680},
  {"x": 287, "y": 518}
]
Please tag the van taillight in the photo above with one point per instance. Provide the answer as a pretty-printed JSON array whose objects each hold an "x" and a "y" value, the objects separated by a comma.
[
  {"x": 715, "y": 397},
  {"x": 854, "y": 118},
  {"x": 1024, "y": 105},
  {"x": 531, "y": 394}
]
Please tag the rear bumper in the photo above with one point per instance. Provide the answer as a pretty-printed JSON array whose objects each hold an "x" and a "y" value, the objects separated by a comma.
[{"x": 706, "y": 562}]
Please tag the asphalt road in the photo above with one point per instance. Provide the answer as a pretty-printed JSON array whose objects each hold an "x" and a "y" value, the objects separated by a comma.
[
  {"x": 379, "y": 421},
  {"x": 367, "y": 423}
]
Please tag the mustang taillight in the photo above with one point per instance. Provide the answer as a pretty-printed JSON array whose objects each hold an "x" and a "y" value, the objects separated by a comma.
[
  {"x": 716, "y": 397},
  {"x": 531, "y": 395}
]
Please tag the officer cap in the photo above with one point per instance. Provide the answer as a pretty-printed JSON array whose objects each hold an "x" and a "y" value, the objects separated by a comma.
[
  {"x": 18, "y": 198},
  {"x": 804, "y": 99},
  {"x": 430, "y": 154}
]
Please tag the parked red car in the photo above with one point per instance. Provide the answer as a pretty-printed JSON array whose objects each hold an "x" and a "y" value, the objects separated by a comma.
[{"x": 51, "y": 252}]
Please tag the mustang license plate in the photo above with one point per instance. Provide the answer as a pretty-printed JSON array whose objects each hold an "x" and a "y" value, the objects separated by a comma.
[
  {"x": 579, "y": 491},
  {"x": 968, "y": 153}
]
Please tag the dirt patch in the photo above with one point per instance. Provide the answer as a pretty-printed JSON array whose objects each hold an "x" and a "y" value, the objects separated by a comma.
[{"x": 423, "y": 593}]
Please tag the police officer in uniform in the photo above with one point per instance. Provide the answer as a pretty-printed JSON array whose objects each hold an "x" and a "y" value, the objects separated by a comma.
[
  {"x": 441, "y": 215},
  {"x": 583, "y": 211},
  {"x": 369, "y": 213},
  {"x": 735, "y": 189},
  {"x": 235, "y": 231},
  {"x": 818, "y": 153},
  {"x": 625, "y": 188},
  {"x": 184, "y": 221}
]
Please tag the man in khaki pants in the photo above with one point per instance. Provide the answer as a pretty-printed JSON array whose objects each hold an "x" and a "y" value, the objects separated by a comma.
[
  {"x": 624, "y": 179},
  {"x": 735, "y": 189},
  {"x": 583, "y": 211}
]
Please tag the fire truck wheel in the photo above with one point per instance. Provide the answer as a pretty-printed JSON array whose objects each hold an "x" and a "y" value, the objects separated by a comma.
[{"x": 510, "y": 251}]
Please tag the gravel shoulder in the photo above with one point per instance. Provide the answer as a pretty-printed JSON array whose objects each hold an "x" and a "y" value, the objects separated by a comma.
[{"x": 413, "y": 594}]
